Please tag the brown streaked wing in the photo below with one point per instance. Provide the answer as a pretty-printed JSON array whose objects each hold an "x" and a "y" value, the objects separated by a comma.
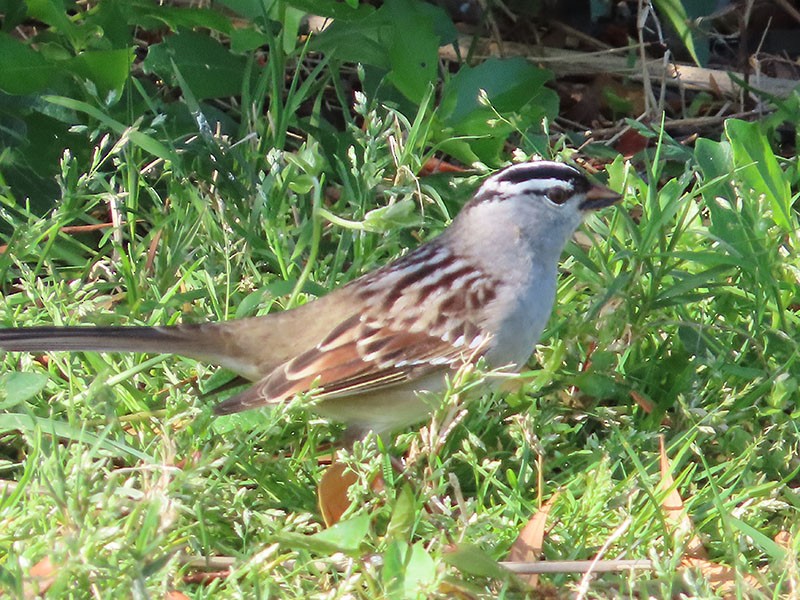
[
  {"x": 379, "y": 346},
  {"x": 355, "y": 368}
]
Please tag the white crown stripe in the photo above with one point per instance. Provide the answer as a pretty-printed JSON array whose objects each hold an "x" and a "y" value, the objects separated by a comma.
[{"x": 524, "y": 187}]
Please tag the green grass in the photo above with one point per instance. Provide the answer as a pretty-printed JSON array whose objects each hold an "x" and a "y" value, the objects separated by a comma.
[
  {"x": 122, "y": 471},
  {"x": 687, "y": 296}
]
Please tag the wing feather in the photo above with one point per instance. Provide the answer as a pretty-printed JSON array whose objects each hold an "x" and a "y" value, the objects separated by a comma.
[{"x": 379, "y": 347}]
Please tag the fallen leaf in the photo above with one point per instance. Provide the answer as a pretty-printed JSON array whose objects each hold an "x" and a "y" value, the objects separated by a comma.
[
  {"x": 530, "y": 541},
  {"x": 438, "y": 165},
  {"x": 205, "y": 577},
  {"x": 643, "y": 402},
  {"x": 673, "y": 506},
  {"x": 631, "y": 142},
  {"x": 721, "y": 578},
  {"x": 332, "y": 491},
  {"x": 783, "y": 538},
  {"x": 42, "y": 576},
  {"x": 152, "y": 250},
  {"x": 71, "y": 229}
]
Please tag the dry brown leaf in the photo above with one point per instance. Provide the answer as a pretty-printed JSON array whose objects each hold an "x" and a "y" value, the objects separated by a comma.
[
  {"x": 71, "y": 229},
  {"x": 44, "y": 568},
  {"x": 673, "y": 506},
  {"x": 175, "y": 595},
  {"x": 783, "y": 538},
  {"x": 152, "y": 250},
  {"x": 721, "y": 578},
  {"x": 332, "y": 491},
  {"x": 204, "y": 577},
  {"x": 643, "y": 402},
  {"x": 42, "y": 576},
  {"x": 631, "y": 142},
  {"x": 530, "y": 541},
  {"x": 438, "y": 165},
  {"x": 648, "y": 406},
  {"x": 456, "y": 590}
]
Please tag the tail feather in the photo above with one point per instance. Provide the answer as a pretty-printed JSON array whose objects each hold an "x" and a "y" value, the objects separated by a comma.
[
  {"x": 227, "y": 344},
  {"x": 251, "y": 348},
  {"x": 186, "y": 340}
]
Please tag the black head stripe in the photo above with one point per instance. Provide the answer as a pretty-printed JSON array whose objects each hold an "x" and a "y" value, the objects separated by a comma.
[
  {"x": 530, "y": 178},
  {"x": 542, "y": 170}
]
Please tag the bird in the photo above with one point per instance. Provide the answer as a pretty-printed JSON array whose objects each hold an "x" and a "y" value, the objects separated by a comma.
[{"x": 374, "y": 353}]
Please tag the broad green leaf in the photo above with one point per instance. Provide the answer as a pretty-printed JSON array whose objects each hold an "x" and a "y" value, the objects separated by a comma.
[
  {"x": 112, "y": 17},
  {"x": 252, "y": 9},
  {"x": 209, "y": 68},
  {"x": 510, "y": 85},
  {"x": 155, "y": 16},
  {"x": 22, "y": 69},
  {"x": 290, "y": 20},
  {"x": 485, "y": 104},
  {"x": 393, "y": 571},
  {"x": 414, "y": 62},
  {"x": 408, "y": 572},
  {"x": 247, "y": 39},
  {"x": 338, "y": 11},
  {"x": 758, "y": 168},
  {"x": 382, "y": 40},
  {"x": 715, "y": 160},
  {"x": 346, "y": 536},
  {"x": 596, "y": 385},
  {"x": 471, "y": 560},
  {"x": 676, "y": 14},
  {"x": 248, "y": 420},
  {"x": 365, "y": 41},
  {"x": 421, "y": 573},
  {"x": 716, "y": 163},
  {"x": 695, "y": 341},
  {"x": 14, "y": 12},
  {"x": 398, "y": 214},
  {"x": 413, "y": 58},
  {"x": 107, "y": 69},
  {"x": 18, "y": 387},
  {"x": 52, "y": 12},
  {"x": 402, "y": 516}
]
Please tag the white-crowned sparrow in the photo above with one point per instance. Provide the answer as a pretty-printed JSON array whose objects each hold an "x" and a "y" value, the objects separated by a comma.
[{"x": 484, "y": 288}]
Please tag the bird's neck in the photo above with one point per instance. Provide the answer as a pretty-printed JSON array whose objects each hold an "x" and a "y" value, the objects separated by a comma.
[{"x": 514, "y": 251}]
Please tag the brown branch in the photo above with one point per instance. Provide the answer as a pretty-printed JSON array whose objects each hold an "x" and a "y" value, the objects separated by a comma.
[{"x": 571, "y": 62}]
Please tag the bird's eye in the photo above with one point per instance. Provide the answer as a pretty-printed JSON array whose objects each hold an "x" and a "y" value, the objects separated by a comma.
[{"x": 557, "y": 195}]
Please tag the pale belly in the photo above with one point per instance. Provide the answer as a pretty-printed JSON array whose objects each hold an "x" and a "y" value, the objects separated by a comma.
[{"x": 388, "y": 409}]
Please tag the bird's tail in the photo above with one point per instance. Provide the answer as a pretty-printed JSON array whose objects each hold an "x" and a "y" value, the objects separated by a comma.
[
  {"x": 241, "y": 346},
  {"x": 188, "y": 340}
]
